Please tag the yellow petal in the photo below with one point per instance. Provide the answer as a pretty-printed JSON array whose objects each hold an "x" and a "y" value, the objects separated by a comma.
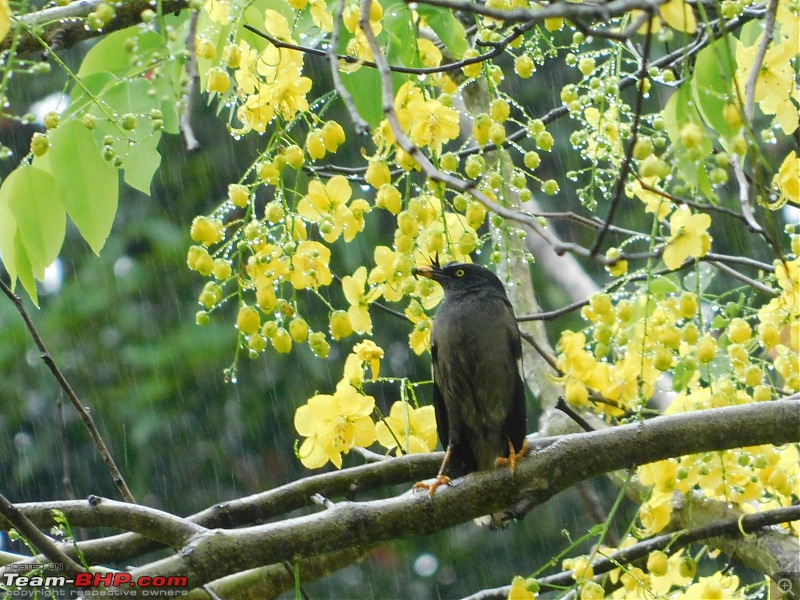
[
  {"x": 312, "y": 455},
  {"x": 678, "y": 15}
]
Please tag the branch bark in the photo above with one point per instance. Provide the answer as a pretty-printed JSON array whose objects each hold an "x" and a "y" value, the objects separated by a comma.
[
  {"x": 64, "y": 26},
  {"x": 573, "y": 458}
]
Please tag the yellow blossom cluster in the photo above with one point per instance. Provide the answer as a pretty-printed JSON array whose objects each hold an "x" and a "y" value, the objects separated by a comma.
[
  {"x": 673, "y": 575},
  {"x": 775, "y": 92},
  {"x": 427, "y": 122},
  {"x": 327, "y": 205},
  {"x": 358, "y": 46},
  {"x": 689, "y": 237},
  {"x": 269, "y": 82},
  {"x": 332, "y": 424},
  {"x": 664, "y": 574}
]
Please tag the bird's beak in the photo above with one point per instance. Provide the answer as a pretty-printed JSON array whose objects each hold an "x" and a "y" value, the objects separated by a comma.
[{"x": 424, "y": 271}]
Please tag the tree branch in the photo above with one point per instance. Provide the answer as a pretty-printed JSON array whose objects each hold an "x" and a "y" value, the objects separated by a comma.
[
  {"x": 84, "y": 414},
  {"x": 64, "y": 26},
  {"x": 573, "y": 458}
]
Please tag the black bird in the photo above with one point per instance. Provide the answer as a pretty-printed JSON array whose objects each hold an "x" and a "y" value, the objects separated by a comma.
[{"x": 478, "y": 393}]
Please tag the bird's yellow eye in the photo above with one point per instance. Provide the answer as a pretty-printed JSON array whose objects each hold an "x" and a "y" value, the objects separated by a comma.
[{"x": 460, "y": 273}]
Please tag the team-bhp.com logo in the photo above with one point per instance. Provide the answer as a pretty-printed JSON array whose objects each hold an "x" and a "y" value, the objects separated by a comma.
[{"x": 158, "y": 585}]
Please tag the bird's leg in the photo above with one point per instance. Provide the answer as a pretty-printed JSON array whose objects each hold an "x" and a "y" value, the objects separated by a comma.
[
  {"x": 441, "y": 478},
  {"x": 513, "y": 455}
]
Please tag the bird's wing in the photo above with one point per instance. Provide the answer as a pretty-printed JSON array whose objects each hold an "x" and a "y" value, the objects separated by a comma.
[
  {"x": 516, "y": 420},
  {"x": 439, "y": 406}
]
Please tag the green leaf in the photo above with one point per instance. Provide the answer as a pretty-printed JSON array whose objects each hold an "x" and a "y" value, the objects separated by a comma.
[
  {"x": 401, "y": 36},
  {"x": 662, "y": 285},
  {"x": 138, "y": 147},
  {"x": 681, "y": 376},
  {"x": 711, "y": 85},
  {"x": 25, "y": 270},
  {"x": 135, "y": 96},
  {"x": 91, "y": 85},
  {"x": 111, "y": 54},
  {"x": 41, "y": 221},
  {"x": 141, "y": 163},
  {"x": 365, "y": 87},
  {"x": 447, "y": 27},
  {"x": 700, "y": 278},
  {"x": 8, "y": 234},
  {"x": 89, "y": 186}
]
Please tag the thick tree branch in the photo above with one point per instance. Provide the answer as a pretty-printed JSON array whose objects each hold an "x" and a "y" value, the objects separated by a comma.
[
  {"x": 573, "y": 458},
  {"x": 64, "y": 26}
]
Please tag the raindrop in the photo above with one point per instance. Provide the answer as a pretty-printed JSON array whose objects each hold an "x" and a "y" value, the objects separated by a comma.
[
  {"x": 426, "y": 564},
  {"x": 53, "y": 277},
  {"x": 123, "y": 266}
]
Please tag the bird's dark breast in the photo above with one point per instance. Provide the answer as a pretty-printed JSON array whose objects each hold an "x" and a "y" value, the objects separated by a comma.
[{"x": 476, "y": 341}]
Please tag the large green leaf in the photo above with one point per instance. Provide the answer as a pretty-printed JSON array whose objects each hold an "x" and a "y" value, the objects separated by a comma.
[
  {"x": 141, "y": 163},
  {"x": 8, "y": 233},
  {"x": 711, "y": 85},
  {"x": 447, "y": 27},
  {"x": 89, "y": 186},
  {"x": 136, "y": 147},
  {"x": 41, "y": 221},
  {"x": 25, "y": 270},
  {"x": 113, "y": 53},
  {"x": 400, "y": 35}
]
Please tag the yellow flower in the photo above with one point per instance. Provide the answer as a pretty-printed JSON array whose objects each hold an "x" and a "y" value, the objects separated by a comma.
[
  {"x": 218, "y": 11},
  {"x": 270, "y": 83},
  {"x": 334, "y": 424},
  {"x": 392, "y": 272},
  {"x": 433, "y": 123},
  {"x": 420, "y": 337},
  {"x": 327, "y": 205},
  {"x": 353, "y": 374},
  {"x": 519, "y": 591},
  {"x": 353, "y": 287},
  {"x": 320, "y": 15},
  {"x": 414, "y": 429},
  {"x": 787, "y": 179},
  {"x": 429, "y": 54},
  {"x": 370, "y": 353},
  {"x": 678, "y": 14},
  {"x": 207, "y": 231},
  {"x": 689, "y": 237},
  {"x": 775, "y": 82},
  {"x": 310, "y": 266},
  {"x": 341, "y": 327},
  {"x": 717, "y": 586},
  {"x": 655, "y": 513},
  {"x": 5, "y": 19}
]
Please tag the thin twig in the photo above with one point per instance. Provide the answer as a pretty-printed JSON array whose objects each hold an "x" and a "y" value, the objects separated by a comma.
[
  {"x": 744, "y": 278},
  {"x": 626, "y": 165},
  {"x": 360, "y": 125},
  {"x": 735, "y": 527},
  {"x": 191, "y": 73},
  {"x": 86, "y": 417},
  {"x": 37, "y": 539},
  {"x": 574, "y": 11}
]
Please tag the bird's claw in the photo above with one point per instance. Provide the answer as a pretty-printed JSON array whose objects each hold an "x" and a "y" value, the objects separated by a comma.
[
  {"x": 513, "y": 455},
  {"x": 432, "y": 487}
]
